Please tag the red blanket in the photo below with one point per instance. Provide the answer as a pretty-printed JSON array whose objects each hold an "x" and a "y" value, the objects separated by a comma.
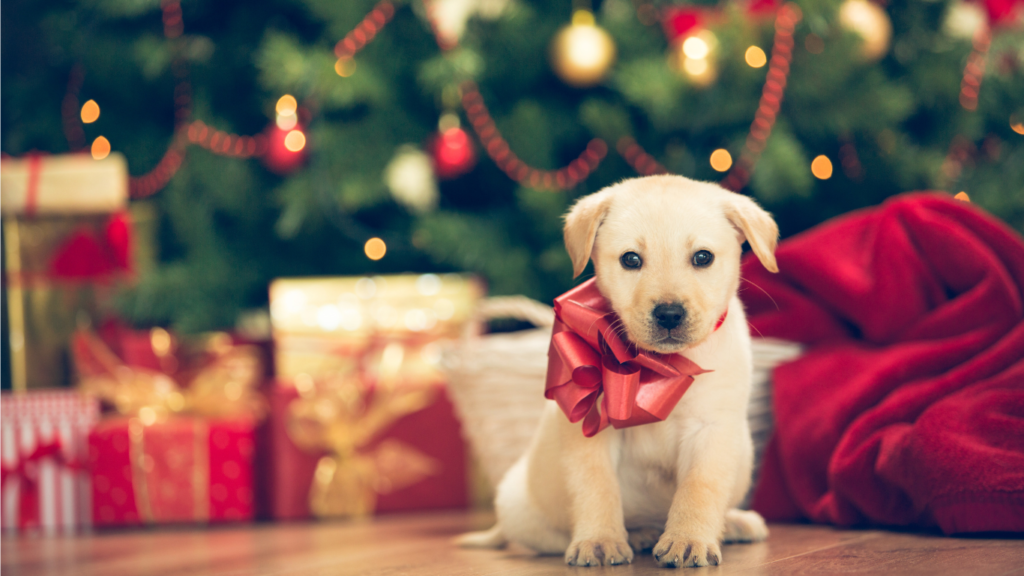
[{"x": 908, "y": 407}]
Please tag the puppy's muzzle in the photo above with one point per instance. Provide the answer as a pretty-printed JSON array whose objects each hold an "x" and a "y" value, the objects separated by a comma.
[{"x": 669, "y": 316}]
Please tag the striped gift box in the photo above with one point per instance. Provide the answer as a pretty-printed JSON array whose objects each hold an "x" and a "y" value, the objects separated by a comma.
[{"x": 43, "y": 449}]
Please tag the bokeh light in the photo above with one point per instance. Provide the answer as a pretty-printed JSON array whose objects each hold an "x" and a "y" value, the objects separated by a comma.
[
  {"x": 755, "y": 57},
  {"x": 100, "y": 148},
  {"x": 375, "y": 249},
  {"x": 295, "y": 141},
  {"x": 90, "y": 112},
  {"x": 821, "y": 167},
  {"x": 696, "y": 48},
  {"x": 345, "y": 67},
  {"x": 287, "y": 105},
  {"x": 721, "y": 160}
]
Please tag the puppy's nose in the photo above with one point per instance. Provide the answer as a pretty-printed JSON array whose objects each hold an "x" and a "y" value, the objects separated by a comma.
[{"x": 669, "y": 316}]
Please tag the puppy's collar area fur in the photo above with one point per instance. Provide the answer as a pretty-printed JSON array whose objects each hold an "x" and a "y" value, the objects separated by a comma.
[{"x": 589, "y": 360}]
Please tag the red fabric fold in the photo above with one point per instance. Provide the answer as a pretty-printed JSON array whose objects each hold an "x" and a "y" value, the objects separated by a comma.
[{"x": 908, "y": 407}]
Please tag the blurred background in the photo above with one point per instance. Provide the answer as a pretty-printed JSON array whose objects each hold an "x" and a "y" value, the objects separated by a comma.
[{"x": 275, "y": 138}]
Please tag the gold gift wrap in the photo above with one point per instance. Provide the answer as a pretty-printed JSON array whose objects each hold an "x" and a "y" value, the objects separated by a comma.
[
  {"x": 222, "y": 383},
  {"x": 44, "y": 309},
  {"x": 341, "y": 417},
  {"x": 326, "y": 327}
]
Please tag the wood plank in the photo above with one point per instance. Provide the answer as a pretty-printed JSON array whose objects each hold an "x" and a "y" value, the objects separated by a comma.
[
  {"x": 421, "y": 545},
  {"x": 901, "y": 553}
]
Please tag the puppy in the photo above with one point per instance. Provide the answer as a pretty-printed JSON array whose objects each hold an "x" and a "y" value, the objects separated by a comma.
[{"x": 666, "y": 253}]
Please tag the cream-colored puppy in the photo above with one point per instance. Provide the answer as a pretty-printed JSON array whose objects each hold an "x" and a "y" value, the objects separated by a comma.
[{"x": 666, "y": 252}]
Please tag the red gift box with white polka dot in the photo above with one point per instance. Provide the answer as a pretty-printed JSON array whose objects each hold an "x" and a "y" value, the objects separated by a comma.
[{"x": 182, "y": 470}]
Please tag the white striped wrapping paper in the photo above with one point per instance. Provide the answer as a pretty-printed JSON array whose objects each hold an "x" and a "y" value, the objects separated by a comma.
[{"x": 40, "y": 417}]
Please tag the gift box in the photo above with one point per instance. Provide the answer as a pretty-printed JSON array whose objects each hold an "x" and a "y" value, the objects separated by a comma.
[
  {"x": 178, "y": 445},
  {"x": 45, "y": 485},
  {"x": 40, "y": 184},
  {"x": 351, "y": 452},
  {"x": 67, "y": 247},
  {"x": 183, "y": 469},
  {"x": 359, "y": 420}
]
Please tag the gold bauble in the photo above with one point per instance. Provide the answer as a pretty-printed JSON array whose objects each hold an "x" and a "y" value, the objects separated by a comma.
[
  {"x": 582, "y": 53},
  {"x": 871, "y": 23}
]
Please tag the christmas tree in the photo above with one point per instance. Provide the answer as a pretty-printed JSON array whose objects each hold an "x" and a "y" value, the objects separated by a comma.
[{"x": 457, "y": 132}]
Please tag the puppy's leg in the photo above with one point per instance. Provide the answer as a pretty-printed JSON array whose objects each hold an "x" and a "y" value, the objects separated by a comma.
[
  {"x": 744, "y": 526},
  {"x": 598, "y": 528},
  {"x": 522, "y": 520},
  {"x": 697, "y": 516}
]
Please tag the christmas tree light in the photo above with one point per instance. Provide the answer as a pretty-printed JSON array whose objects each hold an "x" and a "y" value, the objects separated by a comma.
[
  {"x": 100, "y": 148},
  {"x": 90, "y": 112}
]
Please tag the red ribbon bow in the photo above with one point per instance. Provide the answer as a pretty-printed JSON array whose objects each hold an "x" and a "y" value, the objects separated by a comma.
[
  {"x": 27, "y": 470},
  {"x": 588, "y": 357}
]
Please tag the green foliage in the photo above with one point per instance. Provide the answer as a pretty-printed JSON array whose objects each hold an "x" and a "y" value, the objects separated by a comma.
[
  {"x": 227, "y": 226},
  {"x": 784, "y": 169}
]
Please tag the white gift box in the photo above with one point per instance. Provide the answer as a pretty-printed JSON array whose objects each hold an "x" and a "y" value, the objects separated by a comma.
[{"x": 43, "y": 449}]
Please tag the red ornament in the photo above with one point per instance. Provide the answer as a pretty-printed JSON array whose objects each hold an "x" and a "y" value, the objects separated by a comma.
[
  {"x": 763, "y": 8},
  {"x": 1003, "y": 12},
  {"x": 452, "y": 153},
  {"x": 284, "y": 155}
]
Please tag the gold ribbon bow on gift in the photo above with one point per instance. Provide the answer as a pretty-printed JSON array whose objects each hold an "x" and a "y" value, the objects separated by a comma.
[
  {"x": 342, "y": 417},
  {"x": 223, "y": 386},
  {"x": 170, "y": 463}
]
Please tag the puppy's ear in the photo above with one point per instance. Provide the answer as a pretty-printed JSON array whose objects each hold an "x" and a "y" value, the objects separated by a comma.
[
  {"x": 755, "y": 226},
  {"x": 581, "y": 225}
]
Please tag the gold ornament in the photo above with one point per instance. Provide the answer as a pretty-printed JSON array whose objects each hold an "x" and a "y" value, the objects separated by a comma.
[
  {"x": 582, "y": 53},
  {"x": 694, "y": 58},
  {"x": 871, "y": 23}
]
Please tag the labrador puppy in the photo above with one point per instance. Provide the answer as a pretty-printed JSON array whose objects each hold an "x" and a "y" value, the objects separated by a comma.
[{"x": 666, "y": 253}]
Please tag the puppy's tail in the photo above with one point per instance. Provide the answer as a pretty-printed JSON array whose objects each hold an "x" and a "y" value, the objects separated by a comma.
[{"x": 492, "y": 538}]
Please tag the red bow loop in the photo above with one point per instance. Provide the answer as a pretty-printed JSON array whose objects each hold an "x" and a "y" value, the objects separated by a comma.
[{"x": 589, "y": 359}]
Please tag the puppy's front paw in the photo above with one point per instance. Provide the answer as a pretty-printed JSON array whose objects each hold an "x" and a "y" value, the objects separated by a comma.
[
  {"x": 674, "y": 551},
  {"x": 598, "y": 552},
  {"x": 744, "y": 526}
]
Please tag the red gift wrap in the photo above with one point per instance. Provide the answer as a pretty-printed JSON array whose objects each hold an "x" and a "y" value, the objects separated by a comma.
[
  {"x": 43, "y": 439},
  {"x": 179, "y": 471}
]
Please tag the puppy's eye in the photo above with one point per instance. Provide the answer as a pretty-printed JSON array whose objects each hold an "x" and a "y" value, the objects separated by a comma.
[
  {"x": 631, "y": 260},
  {"x": 703, "y": 258}
]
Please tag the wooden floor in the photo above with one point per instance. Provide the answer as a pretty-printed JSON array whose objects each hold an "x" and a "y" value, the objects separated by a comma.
[{"x": 419, "y": 545}]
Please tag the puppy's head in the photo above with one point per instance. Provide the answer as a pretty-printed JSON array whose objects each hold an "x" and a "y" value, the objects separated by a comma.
[{"x": 666, "y": 252}]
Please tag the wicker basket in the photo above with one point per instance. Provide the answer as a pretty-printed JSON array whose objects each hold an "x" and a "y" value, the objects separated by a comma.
[{"x": 496, "y": 382}]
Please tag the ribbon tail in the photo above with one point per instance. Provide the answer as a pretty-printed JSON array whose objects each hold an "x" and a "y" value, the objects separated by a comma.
[
  {"x": 28, "y": 502},
  {"x": 621, "y": 383}
]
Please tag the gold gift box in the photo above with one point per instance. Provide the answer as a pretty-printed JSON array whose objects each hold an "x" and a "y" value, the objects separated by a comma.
[{"x": 331, "y": 326}]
